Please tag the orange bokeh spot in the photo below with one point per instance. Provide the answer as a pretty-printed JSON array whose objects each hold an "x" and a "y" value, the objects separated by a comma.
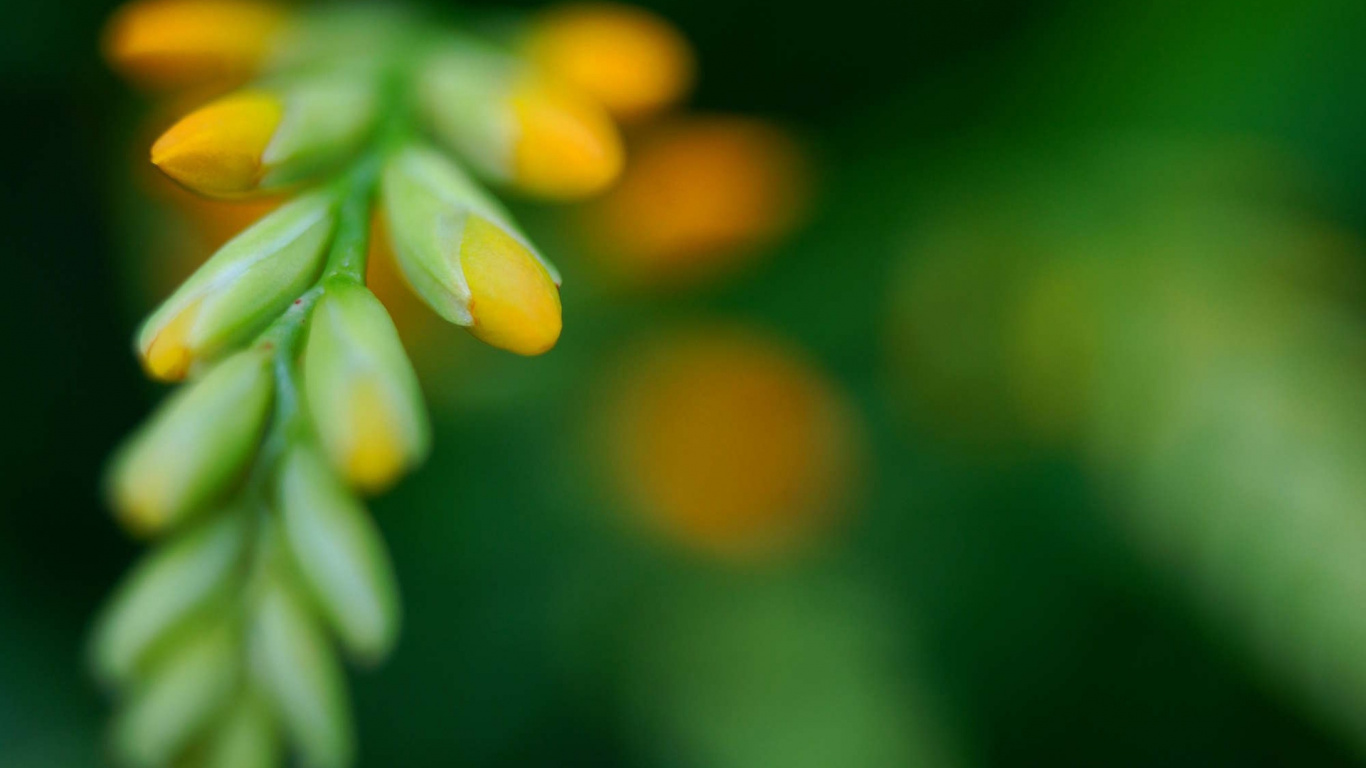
[
  {"x": 700, "y": 196},
  {"x": 731, "y": 443}
]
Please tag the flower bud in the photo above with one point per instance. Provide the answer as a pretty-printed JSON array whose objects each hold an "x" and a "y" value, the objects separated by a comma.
[
  {"x": 515, "y": 127},
  {"x": 198, "y": 443},
  {"x": 362, "y": 391},
  {"x": 268, "y": 137},
  {"x": 629, "y": 60},
  {"x": 246, "y": 737},
  {"x": 168, "y": 43},
  {"x": 459, "y": 251},
  {"x": 163, "y": 591},
  {"x": 181, "y": 698},
  {"x": 240, "y": 290},
  {"x": 292, "y": 662},
  {"x": 340, "y": 554}
]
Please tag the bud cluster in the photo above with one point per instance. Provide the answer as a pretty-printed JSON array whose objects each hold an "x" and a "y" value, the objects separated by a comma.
[{"x": 224, "y": 644}]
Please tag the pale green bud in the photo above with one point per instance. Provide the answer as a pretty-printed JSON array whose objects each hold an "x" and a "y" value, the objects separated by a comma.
[
  {"x": 166, "y": 589},
  {"x": 340, "y": 554},
  {"x": 460, "y": 252},
  {"x": 180, "y": 698},
  {"x": 198, "y": 443},
  {"x": 241, "y": 289},
  {"x": 362, "y": 391},
  {"x": 326, "y": 120},
  {"x": 246, "y": 737},
  {"x": 295, "y": 666}
]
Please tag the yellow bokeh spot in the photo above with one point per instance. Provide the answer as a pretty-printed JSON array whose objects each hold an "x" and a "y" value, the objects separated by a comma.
[
  {"x": 565, "y": 146},
  {"x": 514, "y": 301},
  {"x": 730, "y": 443},
  {"x": 375, "y": 456},
  {"x": 699, "y": 197},
  {"x": 217, "y": 149},
  {"x": 631, "y": 61},
  {"x": 169, "y": 356},
  {"x": 141, "y": 502},
  {"x": 170, "y": 43}
]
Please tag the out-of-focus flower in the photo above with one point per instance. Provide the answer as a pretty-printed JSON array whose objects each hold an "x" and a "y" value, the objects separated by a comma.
[
  {"x": 731, "y": 443},
  {"x": 516, "y": 127},
  {"x": 701, "y": 196},
  {"x": 165, "y": 43},
  {"x": 631, "y": 61}
]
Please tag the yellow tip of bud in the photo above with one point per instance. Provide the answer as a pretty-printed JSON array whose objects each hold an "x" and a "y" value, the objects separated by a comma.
[
  {"x": 142, "y": 502},
  {"x": 514, "y": 301},
  {"x": 631, "y": 61},
  {"x": 169, "y": 357},
  {"x": 566, "y": 146},
  {"x": 217, "y": 149},
  {"x": 376, "y": 457},
  {"x": 169, "y": 43}
]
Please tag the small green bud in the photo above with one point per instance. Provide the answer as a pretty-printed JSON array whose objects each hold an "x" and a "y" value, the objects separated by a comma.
[
  {"x": 241, "y": 289},
  {"x": 326, "y": 119},
  {"x": 246, "y": 737},
  {"x": 362, "y": 391},
  {"x": 340, "y": 555},
  {"x": 461, "y": 253},
  {"x": 163, "y": 592},
  {"x": 199, "y": 442},
  {"x": 295, "y": 666},
  {"x": 180, "y": 699}
]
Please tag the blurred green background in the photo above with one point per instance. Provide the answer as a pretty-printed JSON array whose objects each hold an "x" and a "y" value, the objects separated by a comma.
[{"x": 1082, "y": 283}]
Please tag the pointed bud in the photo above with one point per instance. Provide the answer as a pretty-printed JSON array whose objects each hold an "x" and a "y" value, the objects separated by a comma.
[
  {"x": 459, "y": 251},
  {"x": 362, "y": 390},
  {"x": 180, "y": 700},
  {"x": 629, "y": 60},
  {"x": 266, "y": 138},
  {"x": 170, "y": 43},
  {"x": 199, "y": 442},
  {"x": 164, "y": 591},
  {"x": 246, "y": 738},
  {"x": 517, "y": 128},
  {"x": 240, "y": 290},
  {"x": 340, "y": 554},
  {"x": 292, "y": 662}
]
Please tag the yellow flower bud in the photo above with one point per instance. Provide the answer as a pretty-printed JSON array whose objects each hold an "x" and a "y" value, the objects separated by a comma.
[
  {"x": 240, "y": 290},
  {"x": 263, "y": 139},
  {"x": 196, "y": 445},
  {"x": 517, "y": 128},
  {"x": 631, "y": 61},
  {"x": 362, "y": 390},
  {"x": 167, "y": 43},
  {"x": 460, "y": 253}
]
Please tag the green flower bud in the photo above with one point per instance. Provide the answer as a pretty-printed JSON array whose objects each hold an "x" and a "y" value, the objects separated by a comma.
[
  {"x": 340, "y": 555},
  {"x": 460, "y": 252},
  {"x": 515, "y": 127},
  {"x": 198, "y": 443},
  {"x": 293, "y": 664},
  {"x": 180, "y": 699},
  {"x": 241, "y": 289},
  {"x": 361, "y": 389},
  {"x": 271, "y": 135},
  {"x": 168, "y": 587},
  {"x": 246, "y": 738}
]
